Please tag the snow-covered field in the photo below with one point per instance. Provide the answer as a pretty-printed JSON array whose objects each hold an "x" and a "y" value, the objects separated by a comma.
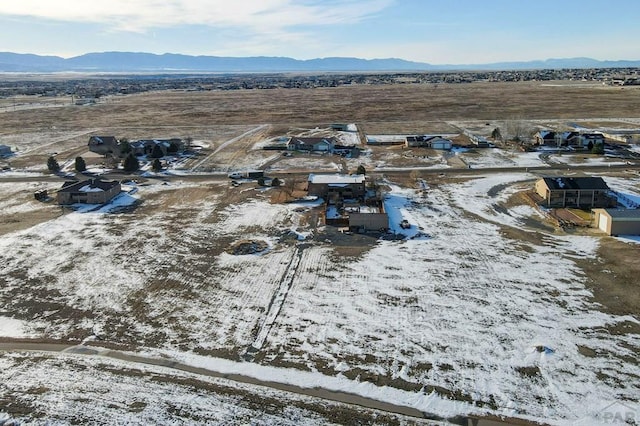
[
  {"x": 577, "y": 159},
  {"x": 464, "y": 320},
  {"x": 493, "y": 157},
  {"x": 71, "y": 389}
]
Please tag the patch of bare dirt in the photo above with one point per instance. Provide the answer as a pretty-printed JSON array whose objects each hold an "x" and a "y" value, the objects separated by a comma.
[
  {"x": 244, "y": 247},
  {"x": 613, "y": 278}
]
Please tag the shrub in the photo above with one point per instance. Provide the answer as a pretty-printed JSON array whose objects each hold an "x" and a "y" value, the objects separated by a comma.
[
  {"x": 53, "y": 165},
  {"x": 131, "y": 163},
  {"x": 81, "y": 166}
]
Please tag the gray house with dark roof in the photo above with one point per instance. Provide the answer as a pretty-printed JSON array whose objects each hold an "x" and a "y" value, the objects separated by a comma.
[
  {"x": 311, "y": 144},
  {"x": 104, "y": 145},
  {"x": 578, "y": 192},
  {"x": 91, "y": 191}
]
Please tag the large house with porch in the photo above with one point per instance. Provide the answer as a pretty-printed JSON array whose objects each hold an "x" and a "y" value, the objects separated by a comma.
[
  {"x": 327, "y": 185},
  {"x": 577, "y": 192},
  {"x": 347, "y": 203}
]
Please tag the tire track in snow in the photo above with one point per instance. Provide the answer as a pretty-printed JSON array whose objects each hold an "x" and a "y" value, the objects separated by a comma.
[
  {"x": 277, "y": 301},
  {"x": 227, "y": 143}
]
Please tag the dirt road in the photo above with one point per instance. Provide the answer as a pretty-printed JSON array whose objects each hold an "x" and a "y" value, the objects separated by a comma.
[{"x": 326, "y": 394}]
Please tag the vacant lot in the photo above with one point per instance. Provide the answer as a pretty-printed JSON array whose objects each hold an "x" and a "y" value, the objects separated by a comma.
[
  {"x": 489, "y": 309},
  {"x": 361, "y": 104}
]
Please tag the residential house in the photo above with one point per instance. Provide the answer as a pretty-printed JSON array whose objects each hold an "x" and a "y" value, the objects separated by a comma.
[
  {"x": 104, "y": 145},
  {"x": 91, "y": 191},
  {"x": 428, "y": 141},
  {"x": 571, "y": 138},
  {"x": 5, "y": 151},
  {"x": 617, "y": 221},
  {"x": 350, "y": 151},
  {"x": 546, "y": 138},
  {"x": 578, "y": 192},
  {"x": 385, "y": 140},
  {"x": 147, "y": 146},
  {"x": 347, "y": 203},
  {"x": 341, "y": 127},
  {"x": 311, "y": 144},
  {"x": 589, "y": 140},
  {"x": 344, "y": 186},
  {"x": 477, "y": 140},
  {"x": 369, "y": 218}
]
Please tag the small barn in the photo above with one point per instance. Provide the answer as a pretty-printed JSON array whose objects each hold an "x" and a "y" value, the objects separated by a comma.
[{"x": 617, "y": 221}]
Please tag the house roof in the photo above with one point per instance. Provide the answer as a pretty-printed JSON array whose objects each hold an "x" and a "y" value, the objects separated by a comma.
[
  {"x": 150, "y": 142},
  {"x": 110, "y": 140},
  {"x": 89, "y": 185},
  {"x": 336, "y": 179},
  {"x": 626, "y": 215},
  {"x": 593, "y": 136},
  {"x": 547, "y": 134},
  {"x": 575, "y": 183},
  {"x": 311, "y": 141}
]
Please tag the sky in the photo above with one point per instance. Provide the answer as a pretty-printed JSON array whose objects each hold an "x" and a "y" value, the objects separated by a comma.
[{"x": 431, "y": 31}]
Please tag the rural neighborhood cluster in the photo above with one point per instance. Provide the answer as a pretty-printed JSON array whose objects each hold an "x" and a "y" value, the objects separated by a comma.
[{"x": 390, "y": 249}]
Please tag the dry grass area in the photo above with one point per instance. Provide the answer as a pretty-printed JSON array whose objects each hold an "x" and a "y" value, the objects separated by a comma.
[
  {"x": 409, "y": 103},
  {"x": 180, "y": 231}
]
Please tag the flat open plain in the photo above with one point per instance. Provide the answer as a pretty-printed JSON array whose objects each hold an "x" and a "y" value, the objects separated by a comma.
[{"x": 486, "y": 308}]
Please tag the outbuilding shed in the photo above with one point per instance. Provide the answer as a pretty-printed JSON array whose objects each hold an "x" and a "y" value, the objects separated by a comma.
[{"x": 618, "y": 221}]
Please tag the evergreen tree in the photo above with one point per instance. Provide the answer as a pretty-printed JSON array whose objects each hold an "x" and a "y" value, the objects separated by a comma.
[
  {"x": 173, "y": 147},
  {"x": 276, "y": 182},
  {"x": 598, "y": 148},
  {"x": 131, "y": 163},
  {"x": 53, "y": 165},
  {"x": 361, "y": 170},
  {"x": 81, "y": 166},
  {"x": 156, "y": 166},
  {"x": 157, "y": 152},
  {"x": 125, "y": 146}
]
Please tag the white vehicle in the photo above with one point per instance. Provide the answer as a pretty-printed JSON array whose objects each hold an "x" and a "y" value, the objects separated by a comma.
[{"x": 247, "y": 174}]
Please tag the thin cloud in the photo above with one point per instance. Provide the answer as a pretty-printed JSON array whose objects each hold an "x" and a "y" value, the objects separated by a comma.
[{"x": 142, "y": 15}]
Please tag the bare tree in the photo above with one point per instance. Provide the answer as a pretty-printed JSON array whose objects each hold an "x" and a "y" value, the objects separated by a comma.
[
  {"x": 187, "y": 142},
  {"x": 517, "y": 130}
]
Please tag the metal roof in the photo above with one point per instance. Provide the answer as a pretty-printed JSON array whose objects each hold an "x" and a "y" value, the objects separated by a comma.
[
  {"x": 624, "y": 214},
  {"x": 336, "y": 179}
]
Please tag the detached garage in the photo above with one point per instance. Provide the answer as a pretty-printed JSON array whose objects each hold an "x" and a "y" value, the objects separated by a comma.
[{"x": 617, "y": 222}]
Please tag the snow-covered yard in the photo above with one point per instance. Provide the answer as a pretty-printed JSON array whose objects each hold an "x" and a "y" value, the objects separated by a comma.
[{"x": 465, "y": 320}]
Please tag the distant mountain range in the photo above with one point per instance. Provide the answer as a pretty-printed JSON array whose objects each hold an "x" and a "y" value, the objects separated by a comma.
[{"x": 130, "y": 62}]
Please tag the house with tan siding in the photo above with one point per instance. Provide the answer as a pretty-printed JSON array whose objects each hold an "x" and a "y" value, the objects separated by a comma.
[
  {"x": 91, "y": 191},
  {"x": 578, "y": 192}
]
